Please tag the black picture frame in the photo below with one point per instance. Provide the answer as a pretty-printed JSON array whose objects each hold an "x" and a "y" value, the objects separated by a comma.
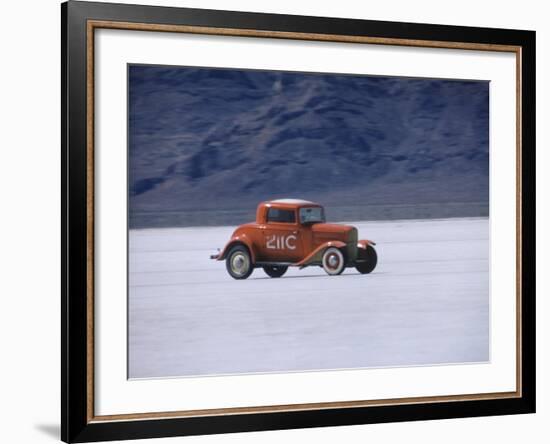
[{"x": 77, "y": 424}]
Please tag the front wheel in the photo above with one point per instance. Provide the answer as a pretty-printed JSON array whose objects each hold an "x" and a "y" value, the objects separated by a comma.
[
  {"x": 238, "y": 262},
  {"x": 275, "y": 271},
  {"x": 333, "y": 261},
  {"x": 367, "y": 260}
]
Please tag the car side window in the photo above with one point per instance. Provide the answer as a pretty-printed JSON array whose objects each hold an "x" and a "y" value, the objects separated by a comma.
[{"x": 278, "y": 215}]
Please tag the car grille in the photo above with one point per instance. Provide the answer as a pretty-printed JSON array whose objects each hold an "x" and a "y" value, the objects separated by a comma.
[{"x": 351, "y": 245}]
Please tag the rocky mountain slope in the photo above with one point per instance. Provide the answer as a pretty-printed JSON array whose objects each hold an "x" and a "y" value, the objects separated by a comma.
[{"x": 205, "y": 145}]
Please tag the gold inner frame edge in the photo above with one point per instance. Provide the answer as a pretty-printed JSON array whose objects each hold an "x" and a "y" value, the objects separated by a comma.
[{"x": 97, "y": 24}]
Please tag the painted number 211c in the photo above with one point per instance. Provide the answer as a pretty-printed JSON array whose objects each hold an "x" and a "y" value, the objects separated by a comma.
[{"x": 274, "y": 242}]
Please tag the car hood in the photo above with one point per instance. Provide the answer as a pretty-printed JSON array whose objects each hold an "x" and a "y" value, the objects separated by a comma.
[
  {"x": 328, "y": 232},
  {"x": 331, "y": 228}
]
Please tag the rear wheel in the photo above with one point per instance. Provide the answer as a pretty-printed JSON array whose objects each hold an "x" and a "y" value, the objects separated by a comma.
[
  {"x": 367, "y": 260},
  {"x": 275, "y": 271},
  {"x": 333, "y": 261},
  {"x": 238, "y": 262}
]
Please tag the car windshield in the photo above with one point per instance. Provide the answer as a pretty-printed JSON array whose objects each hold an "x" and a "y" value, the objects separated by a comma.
[{"x": 311, "y": 215}]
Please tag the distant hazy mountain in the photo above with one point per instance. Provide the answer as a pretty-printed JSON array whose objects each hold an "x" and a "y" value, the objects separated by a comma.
[{"x": 203, "y": 139}]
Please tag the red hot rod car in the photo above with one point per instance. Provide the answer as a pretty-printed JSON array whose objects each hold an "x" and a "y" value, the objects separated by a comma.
[{"x": 293, "y": 233}]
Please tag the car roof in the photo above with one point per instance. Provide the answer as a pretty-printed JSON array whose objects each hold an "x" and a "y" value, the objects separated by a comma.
[{"x": 291, "y": 203}]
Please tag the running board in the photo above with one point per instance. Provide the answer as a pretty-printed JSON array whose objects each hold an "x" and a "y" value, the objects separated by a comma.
[
  {"x": 278, "y": 264},
  {"x": 294, "y": 264}
]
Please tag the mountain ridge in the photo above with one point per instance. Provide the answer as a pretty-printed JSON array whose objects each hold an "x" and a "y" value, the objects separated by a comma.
[{"x": 224, "y": 139}]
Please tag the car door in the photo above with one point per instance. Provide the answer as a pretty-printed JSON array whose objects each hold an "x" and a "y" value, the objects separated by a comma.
[{"x": 282, "y": 236}]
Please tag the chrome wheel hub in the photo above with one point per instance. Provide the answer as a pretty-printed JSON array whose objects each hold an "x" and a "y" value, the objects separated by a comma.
[
  {"x": 239, "y": 264},
  {"x": 333, "y": 261}
]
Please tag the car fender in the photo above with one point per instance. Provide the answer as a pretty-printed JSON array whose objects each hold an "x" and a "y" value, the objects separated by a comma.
[
  {"x": 240, "y": 238},
  {"x": 316, "y": 254},
  {"x": 364, "y": 243}
]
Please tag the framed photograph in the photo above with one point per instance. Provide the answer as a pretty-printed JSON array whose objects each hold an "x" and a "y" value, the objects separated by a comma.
[{"x": 275, "y": 221}]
